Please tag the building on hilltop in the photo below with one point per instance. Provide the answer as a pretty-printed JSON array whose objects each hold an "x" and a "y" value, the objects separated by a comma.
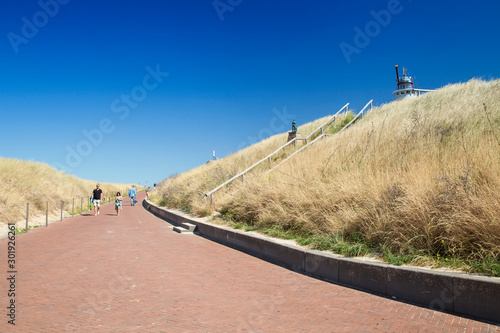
[{"x": 406, "y": 86}]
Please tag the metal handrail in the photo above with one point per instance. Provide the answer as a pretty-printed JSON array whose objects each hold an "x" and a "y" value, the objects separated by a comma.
[
  {"x": 356, "y": 117},
  {"x": 305, "y": 146},
  {"x": 248, "y": 169},
  {"x": 322, "y": 135},
  {"x": 330, "y": 119},
  {"x": 242, "y": 174}
]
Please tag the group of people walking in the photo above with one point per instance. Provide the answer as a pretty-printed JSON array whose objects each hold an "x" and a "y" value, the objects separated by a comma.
[{"x": 97, "y": 195}]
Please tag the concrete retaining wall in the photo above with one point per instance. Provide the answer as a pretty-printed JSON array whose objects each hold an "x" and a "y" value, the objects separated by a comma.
[{"x": 460, "y": 293}]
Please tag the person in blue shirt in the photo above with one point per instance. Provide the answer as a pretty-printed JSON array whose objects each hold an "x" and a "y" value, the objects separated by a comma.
[{"x": 132, "y": 194}]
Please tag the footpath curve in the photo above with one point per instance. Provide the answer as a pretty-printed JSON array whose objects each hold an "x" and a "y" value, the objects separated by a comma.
[
  {"x": 132, "y": 273},
  {"x": 461, "y": 293}
]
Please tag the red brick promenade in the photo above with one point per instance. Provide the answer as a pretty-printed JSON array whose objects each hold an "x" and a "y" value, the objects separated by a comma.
[{"x": 132, "y": 273}]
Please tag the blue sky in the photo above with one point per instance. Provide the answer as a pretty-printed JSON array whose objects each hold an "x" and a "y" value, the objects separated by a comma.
[{"x": 135, "y": 91}]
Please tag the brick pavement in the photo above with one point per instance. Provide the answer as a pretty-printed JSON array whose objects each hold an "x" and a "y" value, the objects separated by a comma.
[{"x": 132, "y": 273}]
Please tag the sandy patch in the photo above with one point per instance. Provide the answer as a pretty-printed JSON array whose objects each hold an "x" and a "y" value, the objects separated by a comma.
[{"x": 32, "y": 222}]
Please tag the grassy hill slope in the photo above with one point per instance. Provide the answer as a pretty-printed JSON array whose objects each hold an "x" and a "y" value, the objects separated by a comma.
[
  {"x": 186, "y": 190},
  {"x": 38, "y": 183},
  {"x": 415, "y": 181}
]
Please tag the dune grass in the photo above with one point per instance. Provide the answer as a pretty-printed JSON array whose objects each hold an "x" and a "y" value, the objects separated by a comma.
[
  {"x": 38, "y": 184},
  {"x": 416, "y": 181},
  {"x": 185, "y": 190}
]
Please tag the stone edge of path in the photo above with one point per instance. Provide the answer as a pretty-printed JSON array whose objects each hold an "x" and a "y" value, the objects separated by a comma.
[{"x": 459, "y": 293}]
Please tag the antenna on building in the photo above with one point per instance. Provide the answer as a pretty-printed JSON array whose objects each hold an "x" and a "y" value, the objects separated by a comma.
[{"x": 406, "y": 86}]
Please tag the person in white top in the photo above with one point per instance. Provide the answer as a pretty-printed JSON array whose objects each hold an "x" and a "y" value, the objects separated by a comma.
[{"x": 118, "y": 203}]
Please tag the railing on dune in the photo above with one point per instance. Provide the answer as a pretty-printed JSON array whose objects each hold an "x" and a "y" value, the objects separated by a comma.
[
  {"x": 359, "y": 115},
  {"x": 294, "y": 142}
]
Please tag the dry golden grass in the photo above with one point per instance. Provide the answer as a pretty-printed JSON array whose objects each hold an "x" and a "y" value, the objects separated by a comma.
[
  {"x": 38, "y": 183},
  {"x": 416, "y": 175},
  {"x": 186, "y": 190}
]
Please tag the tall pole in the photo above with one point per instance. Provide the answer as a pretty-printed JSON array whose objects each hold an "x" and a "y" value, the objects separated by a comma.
[{"x": 27, "y": 214}]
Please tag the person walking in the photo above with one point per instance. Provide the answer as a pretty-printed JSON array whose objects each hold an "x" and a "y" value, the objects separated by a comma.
[
  {"x": 118, "y": 203},
  {"x": 97, "y": 194},
  {"x": 132, "y": 194}
]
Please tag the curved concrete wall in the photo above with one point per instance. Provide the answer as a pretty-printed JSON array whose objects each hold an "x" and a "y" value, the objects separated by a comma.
[{"x": 460, "y": 293}]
